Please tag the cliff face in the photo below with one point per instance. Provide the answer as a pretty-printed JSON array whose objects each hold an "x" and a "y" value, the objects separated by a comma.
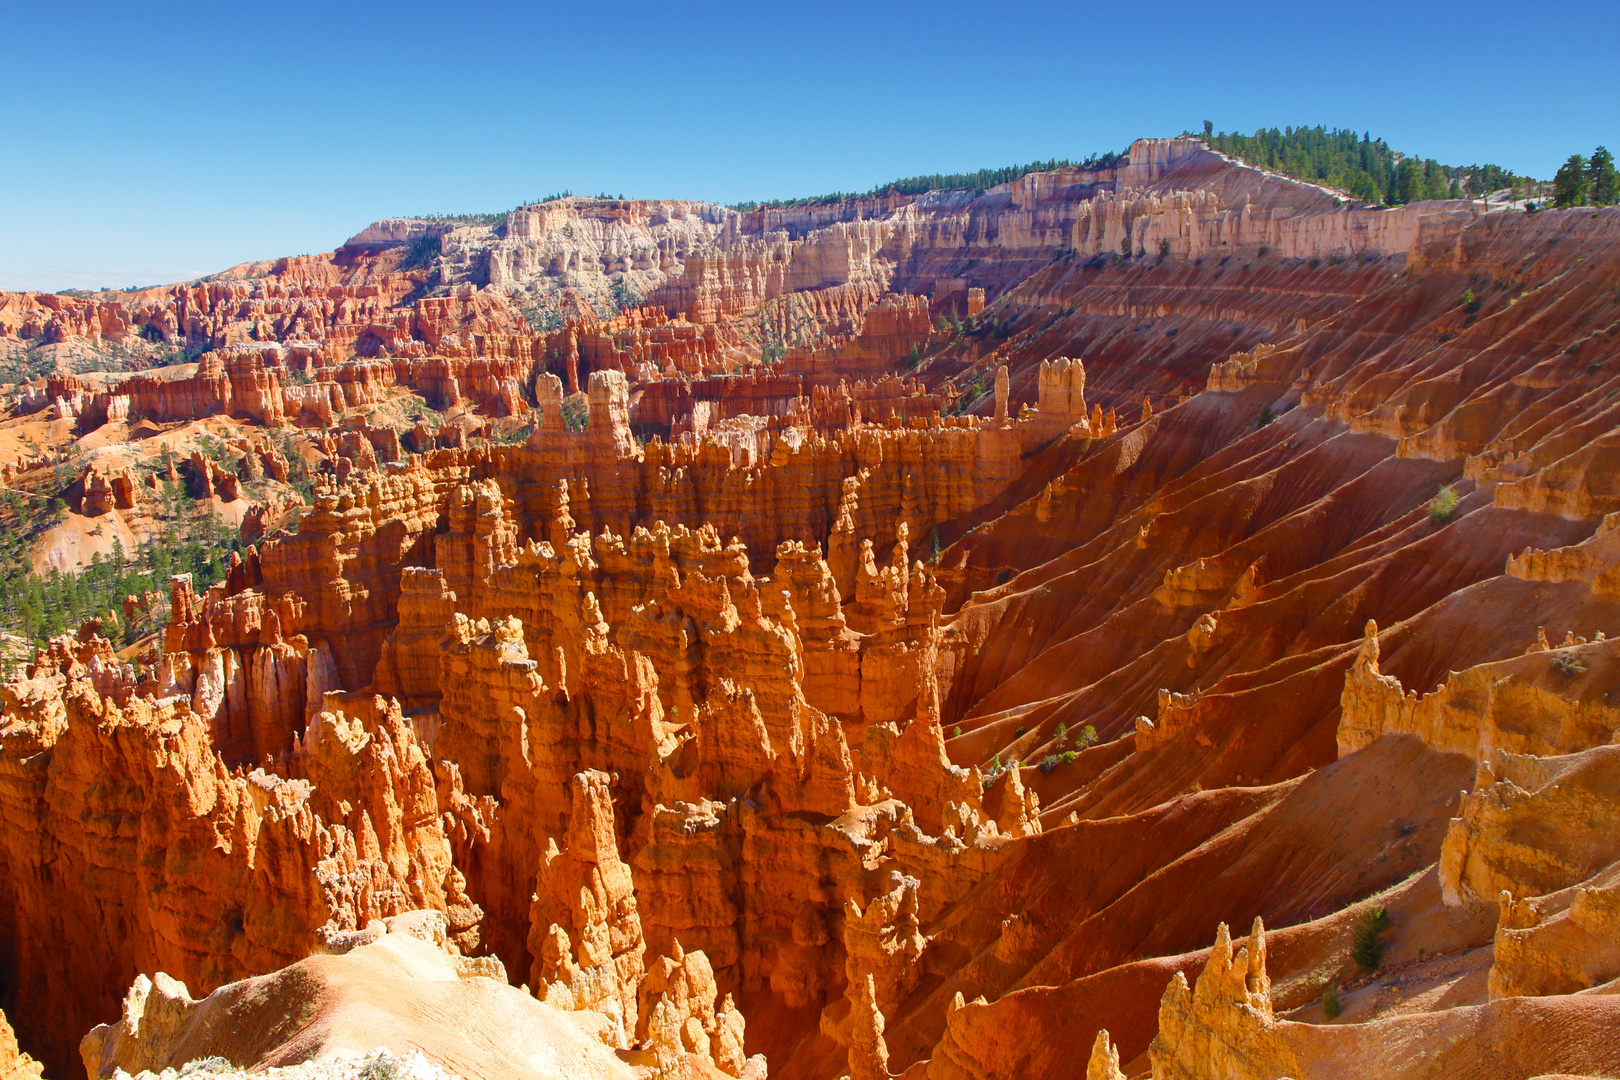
[
  {"x": 931, "y": 697},
  {"x": 672, "y": 289}
]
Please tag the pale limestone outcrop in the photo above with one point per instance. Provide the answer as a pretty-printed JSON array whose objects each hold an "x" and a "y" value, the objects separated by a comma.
[
  {"x": 1222, "y": 1028},
  {"x": 1561, "y": 943},
  {"x": 14, "y": 1064},
  {"x": 399, "y": 990},
  {"x": 1533, "y": 826},
  {"x": 1545, "y": 703},
  {"x": 1104, "y": 1061}
]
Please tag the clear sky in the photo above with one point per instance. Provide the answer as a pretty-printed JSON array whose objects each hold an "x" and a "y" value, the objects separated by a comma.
[{"x": 152, "y": 142}]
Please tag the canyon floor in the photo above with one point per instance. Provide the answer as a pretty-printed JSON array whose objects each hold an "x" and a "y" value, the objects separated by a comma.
[{"x": 1140, "y": 621}]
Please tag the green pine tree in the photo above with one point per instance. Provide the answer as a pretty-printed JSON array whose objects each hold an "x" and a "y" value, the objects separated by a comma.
[
  {"x": 1602, "y": 182},
  {"x": 1571, "y": 185}
]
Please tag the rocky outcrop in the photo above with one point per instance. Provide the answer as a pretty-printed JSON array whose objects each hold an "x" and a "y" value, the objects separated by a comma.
[
  {"x": 928, "y": 693},
  {"x": 1223, "y": 1027},
  {"x": 132, "y": 805},
  {"x": 1544, "y": 703},
  {"x": 585, "y": 900},
  {"x": 1562, "y": 943},
  {"x": 14, "y": 1064},
  {"x": 1532, "y": 826},
  {"x": 401, "y": 991}
]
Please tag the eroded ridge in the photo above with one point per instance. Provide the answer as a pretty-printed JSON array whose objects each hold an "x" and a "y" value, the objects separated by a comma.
[{"x": 896, "y": 645}]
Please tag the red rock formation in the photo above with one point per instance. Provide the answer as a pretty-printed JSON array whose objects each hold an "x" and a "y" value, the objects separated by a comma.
[
  {"x": 132, "y": 808},
  {"x": 929, "y": 713}
]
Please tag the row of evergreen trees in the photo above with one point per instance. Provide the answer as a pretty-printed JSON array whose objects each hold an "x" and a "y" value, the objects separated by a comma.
[
  {"x": 1365, "y": 168},
  {"x": 1589, "y": 181},
  {"x": 38, "y": 606},
  {"x": 978, "y": 181}
]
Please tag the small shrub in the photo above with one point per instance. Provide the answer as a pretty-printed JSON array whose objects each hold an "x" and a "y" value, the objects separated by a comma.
[
  {"x": 1330, "y": 1003},
  {"x": 1164, "y": 248},
  {"x": 1367, "y": 944},
  {"x": 1444, "y": 505},
  {"x": 1568, "y": 665},
  {"x": 1265, "y": 417},
  {"x": 1062, "y": 737},
  {"x": 956, "y": 732},
  {"x": 996, "y": 769},
  {"x": 1472, "y": 303},
  {"x": 1022, "y": 731},
  {"x": 1052, "y": 761},
  {"x": 381, "y": 1067}
]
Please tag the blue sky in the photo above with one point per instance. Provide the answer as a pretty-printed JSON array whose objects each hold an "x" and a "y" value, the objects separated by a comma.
[{"x": 153, "y": 142}]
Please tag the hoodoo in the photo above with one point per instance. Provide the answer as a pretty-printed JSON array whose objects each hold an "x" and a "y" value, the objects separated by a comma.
[{"x": 884, "y": 637}]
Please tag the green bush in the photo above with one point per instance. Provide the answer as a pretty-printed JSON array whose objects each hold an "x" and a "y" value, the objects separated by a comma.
[
  {"x": 1052, "y": 761},
  {"x": 1444, "y": 504},
  {"x": 1367, "y": 943},
  {"x": 1330, "y": 1003},
  {"x": 382, "y": 1067},
  {"x": 1568, "y": 665}
]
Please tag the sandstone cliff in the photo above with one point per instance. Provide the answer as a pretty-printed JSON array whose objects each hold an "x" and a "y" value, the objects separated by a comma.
[{"x": 930, "y": 697}]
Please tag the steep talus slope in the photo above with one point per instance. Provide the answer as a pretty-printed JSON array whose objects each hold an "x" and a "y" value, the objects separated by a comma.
[{"x": 935, "y": 723}]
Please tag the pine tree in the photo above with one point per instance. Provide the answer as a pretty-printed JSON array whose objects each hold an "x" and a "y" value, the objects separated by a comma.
[
  {"x": 1603, "y": 183},
  {"x": 1571, "y": 185}
]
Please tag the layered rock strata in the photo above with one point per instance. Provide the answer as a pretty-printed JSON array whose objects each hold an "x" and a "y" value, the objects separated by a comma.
[{"x": 935, "y": 718}]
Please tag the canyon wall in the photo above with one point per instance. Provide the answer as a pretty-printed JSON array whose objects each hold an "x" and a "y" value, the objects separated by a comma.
[{"x": 921, "y": 703}]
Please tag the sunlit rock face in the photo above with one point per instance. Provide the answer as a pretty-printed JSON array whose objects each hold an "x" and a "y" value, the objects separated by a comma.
[{"x": 893, "y": 637}]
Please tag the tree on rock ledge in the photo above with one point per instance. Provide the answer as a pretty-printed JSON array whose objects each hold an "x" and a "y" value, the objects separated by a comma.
[
  {"x": 1571, "y": 184},
  {"x": 1603, "y": 183}
]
